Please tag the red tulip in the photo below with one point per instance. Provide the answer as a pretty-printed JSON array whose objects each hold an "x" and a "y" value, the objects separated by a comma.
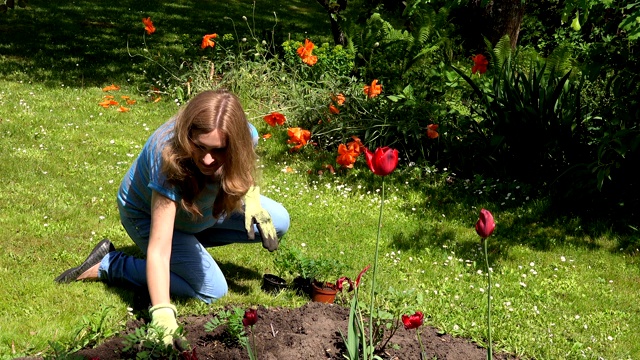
[
  {"x": 250, "y": 317},
  {"x": 413, "y": 321},
  {"x": 383, "y": 161},
  {"x": 340, "y": 283},
  {"x": 485, "y": 224}
]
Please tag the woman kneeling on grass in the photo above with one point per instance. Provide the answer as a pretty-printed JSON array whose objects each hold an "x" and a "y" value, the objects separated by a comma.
[{"x": 185, "y": 192}]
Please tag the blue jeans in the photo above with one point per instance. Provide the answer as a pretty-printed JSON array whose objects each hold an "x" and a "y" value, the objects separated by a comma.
[{"x": 194, "y": 272}]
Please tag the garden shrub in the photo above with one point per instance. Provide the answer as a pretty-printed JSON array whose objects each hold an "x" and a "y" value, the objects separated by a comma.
[{"x": 530, "y": 118}]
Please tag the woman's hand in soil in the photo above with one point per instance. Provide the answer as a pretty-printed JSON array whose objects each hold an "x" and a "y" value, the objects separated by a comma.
[
  {"x": 163, "y": 317},
  {"x": 255, "y": 214}
]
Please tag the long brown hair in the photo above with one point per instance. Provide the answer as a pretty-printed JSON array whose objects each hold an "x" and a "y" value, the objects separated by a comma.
[{"x": 208, "y": 111}]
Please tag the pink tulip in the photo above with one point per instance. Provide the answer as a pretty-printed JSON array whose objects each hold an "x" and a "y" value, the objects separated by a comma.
[{"x": 485, "y": 224}]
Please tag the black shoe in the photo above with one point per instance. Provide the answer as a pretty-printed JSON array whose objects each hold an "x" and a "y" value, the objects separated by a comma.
[{"x": 103, "y": 248}]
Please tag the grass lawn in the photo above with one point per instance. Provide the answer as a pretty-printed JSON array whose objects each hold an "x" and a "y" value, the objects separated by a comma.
[{"x": 562, "y": 289}]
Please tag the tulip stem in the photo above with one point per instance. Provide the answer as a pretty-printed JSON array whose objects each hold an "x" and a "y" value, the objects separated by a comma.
[
  {"x": 486, "y": 258},
  {"x": 423, "y": 354},
  {"x": 375, "y": 270}
]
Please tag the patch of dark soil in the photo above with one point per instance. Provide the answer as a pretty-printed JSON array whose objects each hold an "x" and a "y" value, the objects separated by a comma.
[{"x": 306, "y": 333}]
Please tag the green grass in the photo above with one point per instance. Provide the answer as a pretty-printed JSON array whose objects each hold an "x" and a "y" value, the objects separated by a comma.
[{"x": 563, "y": 290}]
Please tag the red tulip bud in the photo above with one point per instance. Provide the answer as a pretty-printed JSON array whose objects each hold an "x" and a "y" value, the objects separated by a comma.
[
  {"x": 485, "y": 224},
  {"x": 383, "y": 161},
  {"x": 250, "y": 317}
]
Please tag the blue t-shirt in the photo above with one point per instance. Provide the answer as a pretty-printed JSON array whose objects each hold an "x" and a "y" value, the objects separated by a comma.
[{"x": 145, "y": 176}]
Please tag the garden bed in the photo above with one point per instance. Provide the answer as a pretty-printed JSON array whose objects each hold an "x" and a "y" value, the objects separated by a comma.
[{"x": 309, "y": 332}]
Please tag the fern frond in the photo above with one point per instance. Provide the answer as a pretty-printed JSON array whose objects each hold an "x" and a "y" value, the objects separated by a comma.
[
  {"x": 423, "y": 34},
  {"x": 502, "y": 51},
  {"x": 560, "y": 61}
]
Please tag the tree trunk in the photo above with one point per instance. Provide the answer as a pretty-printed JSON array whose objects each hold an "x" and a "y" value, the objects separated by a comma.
[
  {"x": 333, "y": 9},
  {"x": 505, "y": 17}
]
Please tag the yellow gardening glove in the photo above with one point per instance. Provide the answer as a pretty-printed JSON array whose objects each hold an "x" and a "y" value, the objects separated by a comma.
[
  {"x": 163, "y": 316},
  {"x": 255, "y": 214}
]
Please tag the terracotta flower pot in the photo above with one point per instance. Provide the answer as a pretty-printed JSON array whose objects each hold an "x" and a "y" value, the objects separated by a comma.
[
  {"x": 272, "y": 283},
  {"x": 323, "y": 292}
]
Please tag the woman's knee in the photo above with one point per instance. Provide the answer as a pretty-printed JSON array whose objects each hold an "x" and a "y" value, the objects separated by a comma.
[{"x": 214, "y": 292}]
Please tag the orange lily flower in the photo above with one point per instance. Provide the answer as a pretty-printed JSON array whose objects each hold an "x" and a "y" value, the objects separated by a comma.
[
  {"x": 333, "y": 109},
  {"x": 346, "y": 156},
  {"x": 339, "y": 99},
  {"x": 266, "y": 136},
  {"x": 299, "y": 137},
  {"x": 131, "y": 101},
  {"x": 373, "y": 90},
  {"x": 304, "y": 52},
  {"x": 111, "y": 87},
  {"x": 431, "y": 131},
  {"x": 356, "y": 145},
  {"x": 107, "y": 102},
  {"x": 123, "y": 109},
  {"x": 275, "y": 118},
  {"x": 148, "y": 25},
  {"x": 207, "y": 42}
]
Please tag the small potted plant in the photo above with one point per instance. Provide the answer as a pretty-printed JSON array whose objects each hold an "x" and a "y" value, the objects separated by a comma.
[
  {"x": 304, "y": 269},
  {"x": 323, "y": 291}
]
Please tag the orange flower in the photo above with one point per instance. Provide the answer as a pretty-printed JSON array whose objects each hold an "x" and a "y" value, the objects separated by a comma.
[
  {"x": 207, "y": 42},
  {"x": 299, "y": 137},
  {"x": 148, "y": 25},
  {"x": 310, "y": 60},
  {"x": 480, "y": 64},
  {"x": 108, "y": 102},
  {"x": 266, "y": 136},
  {"x": 275, "y": 118},
  {"x": 356, "y": 145},
  {"x": 128, "y": 99},
  {"x": 157, "y": 99},
  {"x": 123, "y": 109},
  {"x": 111, "y": 87},
  {"x": 304, "y": 51},
  {"x": 346, "y": 156},
  {"x": 373, "y": 90},
  {"x": 338, "y": 99},
  {"x": 431, "y": 131}
]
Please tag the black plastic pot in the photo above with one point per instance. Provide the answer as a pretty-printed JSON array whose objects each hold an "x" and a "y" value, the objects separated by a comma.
[{"x": 273, "y": 283}]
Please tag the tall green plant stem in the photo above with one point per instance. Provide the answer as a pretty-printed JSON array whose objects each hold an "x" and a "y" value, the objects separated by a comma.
[
  {"x": 375, "y": 270},
  {"x": 486, "y": 259}
]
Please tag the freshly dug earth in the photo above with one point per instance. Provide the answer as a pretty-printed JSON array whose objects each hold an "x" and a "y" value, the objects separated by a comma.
[{"x": 306, "y": 333}]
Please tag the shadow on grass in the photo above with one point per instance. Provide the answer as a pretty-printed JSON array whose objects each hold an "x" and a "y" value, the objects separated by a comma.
[
  {"x": 533, "y": 223},
  {"x": 84, "y": 43}
]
